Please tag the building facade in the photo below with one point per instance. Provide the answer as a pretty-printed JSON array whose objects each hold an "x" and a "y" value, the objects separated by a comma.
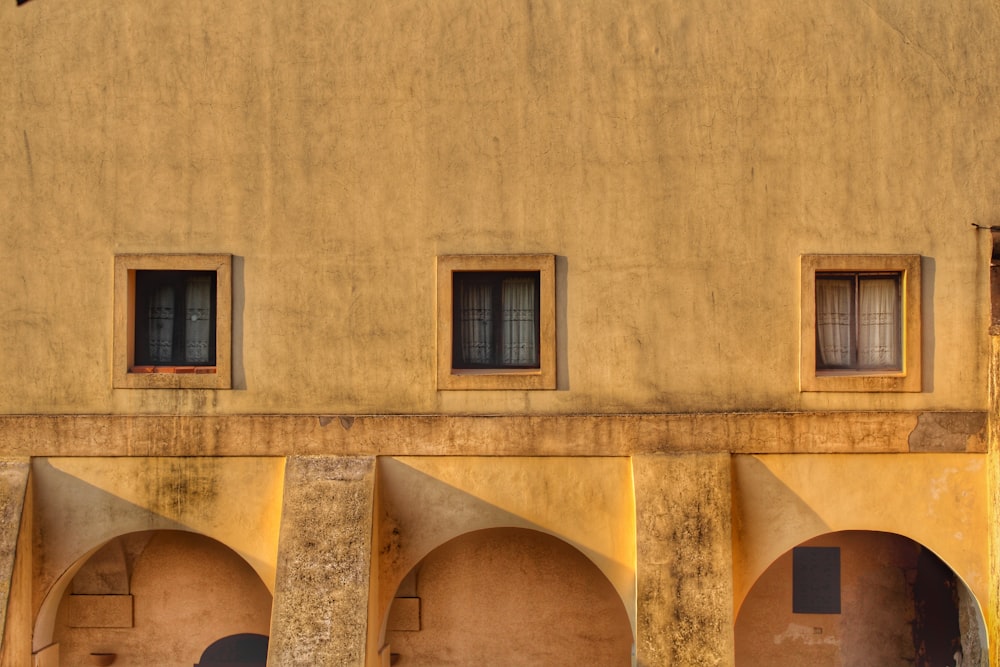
[{"x": 519, "y": 333}]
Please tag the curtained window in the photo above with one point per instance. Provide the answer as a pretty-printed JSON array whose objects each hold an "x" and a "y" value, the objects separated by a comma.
[
  {"x": 175, "y": 318},
  {"x": 858, "y": 321},
  {"x": 496, "y": 319}
]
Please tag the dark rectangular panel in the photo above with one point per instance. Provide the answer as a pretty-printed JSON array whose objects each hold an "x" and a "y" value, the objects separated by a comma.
[{"x": 816, "y": 580}]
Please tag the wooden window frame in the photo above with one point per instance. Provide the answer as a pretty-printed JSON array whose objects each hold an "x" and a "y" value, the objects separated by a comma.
[
  {"x": 126, "y": 374},
  {"x": 449, "y": 377},
  {"x": 905, "y": 379}
]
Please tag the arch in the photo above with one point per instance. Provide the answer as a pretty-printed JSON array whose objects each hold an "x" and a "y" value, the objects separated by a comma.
[
  {"x": 242, "y": 650},
  {"x": 488, "y": 592},
  {"x": 82, "y": 503},
  {"x": 898, "y": 601},
  {"x": 782, "y": 500},
  {"x": 425, "y": 501},
  {"x": 181, "y": 589}
]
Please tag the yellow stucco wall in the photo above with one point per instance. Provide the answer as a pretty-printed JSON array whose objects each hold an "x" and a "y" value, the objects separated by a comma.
[{"x": 677, "y": 158}]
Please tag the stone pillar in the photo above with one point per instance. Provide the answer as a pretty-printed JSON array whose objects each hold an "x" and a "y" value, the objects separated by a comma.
[
  {"x": 684, "y": 560},
  {"x": 324, "y": 551},
  {"x": 15, "y": 566}
]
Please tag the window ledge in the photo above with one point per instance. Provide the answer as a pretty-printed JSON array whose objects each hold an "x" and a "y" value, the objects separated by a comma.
[
  {"x": 198, "y": 370},
  {"x": 489, "y": 379},
  {"x": 867, "y": 372}
]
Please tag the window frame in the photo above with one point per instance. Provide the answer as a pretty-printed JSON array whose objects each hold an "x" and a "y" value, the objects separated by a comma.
[
  {"x": 126, "y": 374},
  {"x": 495, "y": 280},
  {"x": 451, "y": 377},
  {"x": 905, "y": 379}
]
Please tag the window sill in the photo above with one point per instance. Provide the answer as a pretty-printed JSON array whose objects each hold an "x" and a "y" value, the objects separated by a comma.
[
  {"x": 862, "y": 381},
  {"x": 177, "y": 370},
  {"x": 172, "y": 377},
  {"x": 496, "y": 379},
  {"x": 495, "y": 371},
  {"x": 860, "y": 372}
]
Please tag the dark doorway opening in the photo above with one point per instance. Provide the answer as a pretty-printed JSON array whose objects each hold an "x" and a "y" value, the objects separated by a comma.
[
  {"x": 243, "y": 650},
  {"x": 937, "y": 637}
]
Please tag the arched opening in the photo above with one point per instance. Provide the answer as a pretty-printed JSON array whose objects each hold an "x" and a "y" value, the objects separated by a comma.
[
  {"x": 508, "y": 596},
  {"x": 243, "y": 650},
  {"x": 860, "y": 598},
  {"x": 159, "y": 598}
]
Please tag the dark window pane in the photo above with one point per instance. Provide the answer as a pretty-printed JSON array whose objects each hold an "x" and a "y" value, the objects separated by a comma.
[
  {"x": 175, "y": 318},
  {"x": 496, "y": 319}
]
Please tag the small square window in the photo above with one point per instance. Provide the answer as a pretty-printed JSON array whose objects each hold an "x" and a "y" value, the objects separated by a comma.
[
  {"x": 496, "y": 322},
  {"x": 860, "y": 323},
  {"x": 172, "y": 321}
]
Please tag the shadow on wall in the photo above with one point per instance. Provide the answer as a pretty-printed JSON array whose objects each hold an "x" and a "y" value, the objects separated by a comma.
[{"x": 506, "y": 596}]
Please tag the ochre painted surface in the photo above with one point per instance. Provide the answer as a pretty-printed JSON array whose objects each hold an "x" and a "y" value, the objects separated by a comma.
[{"x": 676, "y": 158}]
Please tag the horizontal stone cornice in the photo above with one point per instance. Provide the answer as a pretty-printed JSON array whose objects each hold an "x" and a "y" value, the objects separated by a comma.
[{"x": 508, "y": 435}]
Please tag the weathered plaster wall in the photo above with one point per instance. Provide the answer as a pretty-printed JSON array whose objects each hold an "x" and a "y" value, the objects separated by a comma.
[
  {"x": 937, "y": 500},
  {"x": 509, "y": 596},
  {"x": 494, "y": 435},
  {"x": 678, "y": 158}
]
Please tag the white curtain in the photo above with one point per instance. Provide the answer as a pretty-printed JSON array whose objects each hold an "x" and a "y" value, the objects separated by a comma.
[
  {"x": 519, "y": 345},
  {"x": 879, "y": 326},
  {"x": 161, "y": 325},
  {"x": 198, "y": 320},
  {"x": 833, "y": 321},
  {"x": 476, "y": 318}
]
